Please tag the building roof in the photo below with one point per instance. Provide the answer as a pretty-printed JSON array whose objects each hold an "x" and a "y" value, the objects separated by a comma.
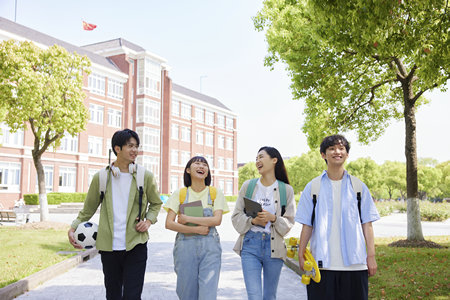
[
  {"x": 112, "y": 44},
  {"x": 196, "y": 95},
  {"x": 44, "y": 39}
]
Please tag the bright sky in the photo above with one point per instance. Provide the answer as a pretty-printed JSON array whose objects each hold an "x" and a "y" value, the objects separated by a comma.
[{"x": 217, "y": 39}]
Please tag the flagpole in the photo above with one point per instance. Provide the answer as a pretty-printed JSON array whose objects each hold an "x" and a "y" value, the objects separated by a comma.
[{"x": 15, "y": 11}]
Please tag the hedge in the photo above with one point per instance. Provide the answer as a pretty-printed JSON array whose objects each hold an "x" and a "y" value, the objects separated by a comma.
[{"x": 55, "y": 198}]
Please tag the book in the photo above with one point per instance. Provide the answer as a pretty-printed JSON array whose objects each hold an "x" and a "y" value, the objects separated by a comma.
[{"x": 192, "y": 209}]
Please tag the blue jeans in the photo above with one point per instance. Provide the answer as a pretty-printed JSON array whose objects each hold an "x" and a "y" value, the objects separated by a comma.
[
  {"x": 197, "y": 260},
  {"x": 255, "y": 255}
]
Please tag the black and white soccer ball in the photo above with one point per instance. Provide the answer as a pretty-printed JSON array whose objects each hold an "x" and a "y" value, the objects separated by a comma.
[{"x": 86, "y": 234}]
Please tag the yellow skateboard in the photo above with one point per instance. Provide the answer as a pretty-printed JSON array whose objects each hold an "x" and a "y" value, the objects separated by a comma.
[{"x": 311, "y": 269}]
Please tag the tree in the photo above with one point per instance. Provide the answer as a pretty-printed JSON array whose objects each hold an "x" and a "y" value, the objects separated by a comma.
[
  {"x": 429, "y": 179},
  {"x": 444, "y": 184},
  {"x": 42, "y": 89},
  {"x": 368, "y": 171},
  {"x": 303, "y": 169},
  {"x": 359, "y": 64},
  {"x": 393, "y": 174},
  {"x": 246, "y": 172}
]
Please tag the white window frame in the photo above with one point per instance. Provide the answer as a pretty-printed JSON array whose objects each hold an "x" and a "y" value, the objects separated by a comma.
[
  {"x": 150, "y": 139},
  {"x": 115, "y": 89},
  {"x": 209, "y": 117},
  {"x": 95, "y": 145},
  {"x": 186, "y": 111},
  {"x": 67, "y": 180},
  {"x": 96, "y": 113},
  {"x": 221, "y": 121},
  {"x": 221, "y": 163},
  {"x": 69, "y": 143},
  {"x": 174, "y": 157},
  {"x": 175, "y": 132},
  {"x": 10, "y": 176},
  {"x": 149, "y": 77},
  {"x": 174, "y": 183},
  {"x": 221, "y": 142},
  {"x": 229, "y": 164},
  {"x": 229, "y": 143},
  {"x": 148, "y": 111},
  {"x": 150, "y": 163},
  {"x": 7, "y": 138},
  {"x": 185, "y": 157},
  {"x": 175, "y": 108},
  {"x": 199, "y": 137},
  {"x": 96, "y": 84},
  {"x": 199, "y": 114},
  {"x": 114, "y": 118},
  {"x": 186, "y": 134},
  {"x": 229, "y": 123},
  {"x": 209, "y": 139},
  {"x": 229, "y": 187}
]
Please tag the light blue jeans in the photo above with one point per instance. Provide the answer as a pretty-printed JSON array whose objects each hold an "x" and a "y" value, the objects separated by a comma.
[
  {"x": 197, "y": 260},
  {"x": 255, "y": 255}
]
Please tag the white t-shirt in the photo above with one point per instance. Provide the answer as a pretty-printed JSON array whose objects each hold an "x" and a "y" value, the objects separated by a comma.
[
  {"x": 264, "y": 196},
  {"x": 336, "y": 261},
  {"x": 120, "y": 194}
]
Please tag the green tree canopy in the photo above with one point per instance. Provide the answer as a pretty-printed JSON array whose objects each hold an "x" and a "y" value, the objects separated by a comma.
[
  {"x": 393, "y": 174},
  {"x": 246, "y": 172},
  {"x": 360, "y": 64},
  {"x": 444, "y": 184},
  {"x": 302, "y": 169},
  {"x": 41, "y": 89},
  {"x": 369, "y": 172}
]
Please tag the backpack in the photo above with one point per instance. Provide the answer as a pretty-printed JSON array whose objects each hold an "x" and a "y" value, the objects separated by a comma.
[
  {"x": 184, "y": 194},
  {"x": 140, "y": 173},
  {"x": 315, "y": 190},
  {"x": 281, "y": 186}
]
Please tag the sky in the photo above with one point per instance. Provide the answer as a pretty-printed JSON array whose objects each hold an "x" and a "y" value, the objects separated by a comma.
[{"x": 212, "y": 46}]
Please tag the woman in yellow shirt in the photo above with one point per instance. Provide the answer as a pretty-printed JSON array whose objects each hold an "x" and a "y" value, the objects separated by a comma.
[{"x": 197, "y": 252}]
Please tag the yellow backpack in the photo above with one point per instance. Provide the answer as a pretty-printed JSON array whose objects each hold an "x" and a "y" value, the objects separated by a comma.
[{"x": 211, "y": 195}]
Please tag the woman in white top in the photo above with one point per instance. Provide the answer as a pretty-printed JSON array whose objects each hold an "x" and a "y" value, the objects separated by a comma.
[
  {"x": 197, "y": 252},
  {"x": 261, "y": 242}
]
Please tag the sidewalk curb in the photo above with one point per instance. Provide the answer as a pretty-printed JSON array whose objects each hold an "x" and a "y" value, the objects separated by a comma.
[{"x": 28, "y": 283}]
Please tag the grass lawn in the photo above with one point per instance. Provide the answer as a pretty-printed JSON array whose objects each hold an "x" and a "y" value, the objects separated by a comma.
[
  {"x": 27, "y": 251},
  {"x": 411, "y": 273}
]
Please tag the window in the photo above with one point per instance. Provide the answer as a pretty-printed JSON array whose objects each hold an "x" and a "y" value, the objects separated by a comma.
[
  {"x": 209, "y": 139},
  {"x": 221, "y": 163},
  {"x": 185, "y": 134},
  {"x": 7, "y": 138},
  {"x": 149, "y": 139},
  {"x": 96, "y": 112},
  {"x": 209, "y": 118},
  {"x": 10, "y": 177},
  {"x": 229, "y": 143},
  {"x": 91, "y": 174},
  {"x": 69, "y": 143},
  {"x": 175, "y": 108},
  {"x": 199, "y": 137},
  {"x": 200, "y": 115},
  {"x": 48, "y": 177},
  {"x": 229, "y": 187},
  {"x": 95, "y": 145},
  {"x": 132, "y": 95},
  {"x": 186, "y": 111},
  {"x": 151, "y": 163},
  {"x": 174, "y": 158},
  {"x": 229, "y": 164},
  {"x": 210, "y": 160},
  {"x": 108, "y": 147},
  {"x": 221, "y": 121},
  {"x": 96, "y": 83},
  {"x": 148, "y": 111},
  {"x": 230, "y": 123},
  {"x": 173, "y": 183},
  {"x": 222, "y": 184},
  {"x": 115, "y": 89},
  {"x": 221, "y": 142},
  {"x": 149, "y": 77},
  {"x": 67, "y": 180},
  {"x": 175, "y": 131},
  {"x": 185, "y": 156},
  {"x": 114, "y": 118},
  {"x": 131, "y": 61}
]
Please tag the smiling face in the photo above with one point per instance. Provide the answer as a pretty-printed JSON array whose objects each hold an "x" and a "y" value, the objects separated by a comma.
[
  {"x": 335, "y": 155},
  {"x": 128, "y": 152},
  {"x": 198, "y": 170},
  {"x": 265, "y": 163}
]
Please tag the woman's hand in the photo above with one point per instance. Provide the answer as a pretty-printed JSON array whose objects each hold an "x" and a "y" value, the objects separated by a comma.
[
  {"x": 183, "y": 219},
  {"x": 202, "y": 230},
  {"x": 266, "y": 216}
]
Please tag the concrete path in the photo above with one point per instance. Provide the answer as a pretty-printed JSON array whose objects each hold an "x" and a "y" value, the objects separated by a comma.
[{"x": 86, "y": 280}]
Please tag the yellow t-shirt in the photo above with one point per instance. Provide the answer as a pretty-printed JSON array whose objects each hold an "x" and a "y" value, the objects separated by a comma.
[{"x": 219, "y": 203}]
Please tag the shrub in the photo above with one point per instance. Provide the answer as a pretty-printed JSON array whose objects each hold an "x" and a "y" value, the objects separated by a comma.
[{"x": 55, "y": 198}]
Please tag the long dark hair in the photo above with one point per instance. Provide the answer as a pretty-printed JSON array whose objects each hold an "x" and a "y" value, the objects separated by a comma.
[
  {"x": 187, "y": 176},
  {"x": 280, "y": 169}
]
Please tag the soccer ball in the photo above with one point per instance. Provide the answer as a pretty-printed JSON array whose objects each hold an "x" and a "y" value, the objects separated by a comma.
[{"x": 86, "y": 234}]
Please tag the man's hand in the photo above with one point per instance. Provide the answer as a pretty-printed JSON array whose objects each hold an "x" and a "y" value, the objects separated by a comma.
[
  {"x": 301, "y": 261},
  {"x": 143, "y": 225},
  {"x": 371, "y": 265},
  {"x": 72, "y": 240}
]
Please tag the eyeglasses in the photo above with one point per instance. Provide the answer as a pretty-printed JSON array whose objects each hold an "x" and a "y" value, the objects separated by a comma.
[{"x": 131, "y": 146}]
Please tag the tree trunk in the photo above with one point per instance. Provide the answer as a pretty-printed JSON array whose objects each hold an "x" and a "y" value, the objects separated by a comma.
[
  {"x": 414, "y": 226},
  {"x": 41, "y": 184}
]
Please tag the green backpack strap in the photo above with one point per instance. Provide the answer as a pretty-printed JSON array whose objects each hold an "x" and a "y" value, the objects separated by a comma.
[
  {"x": 282, "y": 187},
  {"x": 251, "y": 188}
]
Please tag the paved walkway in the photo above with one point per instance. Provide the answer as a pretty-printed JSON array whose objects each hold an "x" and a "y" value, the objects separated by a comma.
[{"x": 86, "y": 280}]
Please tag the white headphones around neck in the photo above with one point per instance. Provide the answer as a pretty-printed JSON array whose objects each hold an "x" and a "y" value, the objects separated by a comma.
[{"x": 115, "y": 171}]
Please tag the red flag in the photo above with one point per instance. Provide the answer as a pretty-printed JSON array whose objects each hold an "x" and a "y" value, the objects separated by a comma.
[{"x": 88, "y": 26}]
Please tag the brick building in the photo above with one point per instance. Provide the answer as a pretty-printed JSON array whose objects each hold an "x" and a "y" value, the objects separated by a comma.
[{"x": 129, "y": 87}]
